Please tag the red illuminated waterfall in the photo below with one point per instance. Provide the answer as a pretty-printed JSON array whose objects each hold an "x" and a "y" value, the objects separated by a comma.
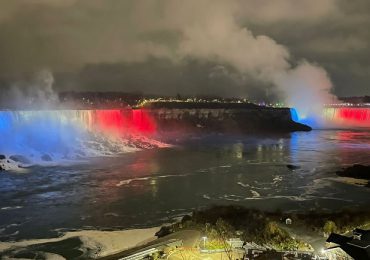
[
  {"x": 349, "y": 116},
  {"x": 124, "y": 121},
  {"x": 142, "y": 122}
]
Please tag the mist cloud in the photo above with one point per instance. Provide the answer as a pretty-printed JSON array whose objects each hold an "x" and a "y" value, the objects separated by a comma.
[
  {"x": 35, "y": 92},
  {"x": 251, "y": 37}
]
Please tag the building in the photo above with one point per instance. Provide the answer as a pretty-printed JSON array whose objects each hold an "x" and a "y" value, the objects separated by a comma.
[
  {"x": 357, "y": 246},
  {"x": 235, "y": 242}
]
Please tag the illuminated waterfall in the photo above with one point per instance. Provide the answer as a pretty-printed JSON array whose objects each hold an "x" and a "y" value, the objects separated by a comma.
[
  {"x": 71, "y": 133},
  {"x": 313, "y": 121},
  {"x": 348, "y": 116},
  {"x": 332, "y": 117}
]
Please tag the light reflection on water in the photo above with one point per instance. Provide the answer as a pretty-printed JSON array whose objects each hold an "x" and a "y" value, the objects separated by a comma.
[{"x": 149, "y": 187}]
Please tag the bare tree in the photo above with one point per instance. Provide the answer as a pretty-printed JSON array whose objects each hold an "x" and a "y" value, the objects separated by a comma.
[{"x": 224, "y": 230}]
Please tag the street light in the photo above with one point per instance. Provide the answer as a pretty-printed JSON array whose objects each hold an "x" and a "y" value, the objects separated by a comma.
[{"x": 204, "y": 241}]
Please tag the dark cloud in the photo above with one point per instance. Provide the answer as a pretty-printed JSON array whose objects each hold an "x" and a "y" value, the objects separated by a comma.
[
  {"x": 239, "y": 48},
  {"x": 164, "y": 77},
  {"x": 338, "y": 41}
]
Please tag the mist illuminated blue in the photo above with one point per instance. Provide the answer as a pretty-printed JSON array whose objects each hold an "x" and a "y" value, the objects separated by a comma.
[
  {"x": 310, "y": 120},
  {"x": 33, "y": 133},
  {"x": 294, "y": 115}
]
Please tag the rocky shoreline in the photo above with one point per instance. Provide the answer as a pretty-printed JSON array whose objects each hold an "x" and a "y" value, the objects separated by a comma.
[{"x": 357, "y": 171}]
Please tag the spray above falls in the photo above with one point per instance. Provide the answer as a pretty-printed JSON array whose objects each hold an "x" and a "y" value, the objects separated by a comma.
[
  {"x": 221, "y": 38},
  {"x": 307, "y": 89}
]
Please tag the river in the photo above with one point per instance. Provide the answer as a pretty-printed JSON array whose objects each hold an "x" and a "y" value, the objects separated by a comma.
[{"x": 154, "y": 186}]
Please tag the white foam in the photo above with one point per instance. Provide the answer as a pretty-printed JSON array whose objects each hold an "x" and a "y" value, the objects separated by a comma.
[
  {"x": 171, "y": 175},
  {"x": 111, "y": 214},
  {"x": 11, "y": 208},
  {"x": 10, "y": 165},
  {"x": 255, "y": 194},
  {"x": 205, "y": 196},
  {"x": 245, "y": 185},
  {"x": 93, "y": 145},
  {"x": 277, "y": 178},
  {"x": 128, "y": 181},
  {"x": 293, "y": 198},
  {"x": 232, "y": 197},
  {"x": 13, "y": 225}
]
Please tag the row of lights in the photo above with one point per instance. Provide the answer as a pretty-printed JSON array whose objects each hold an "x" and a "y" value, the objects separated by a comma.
[
  {"x": 242, "y": 101},
  {"x": 348, "y": 105}
]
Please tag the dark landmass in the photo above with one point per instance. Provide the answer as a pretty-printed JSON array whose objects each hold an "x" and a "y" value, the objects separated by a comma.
[
  {"x": 293, "y": 167},
  {"x": 356, "y": 171},
  {"x": 221, "y": 117},
  {"x": 2, "y": 162}
]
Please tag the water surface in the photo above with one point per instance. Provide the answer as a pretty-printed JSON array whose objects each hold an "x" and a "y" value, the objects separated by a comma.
[{"x": 151, "y": 187}]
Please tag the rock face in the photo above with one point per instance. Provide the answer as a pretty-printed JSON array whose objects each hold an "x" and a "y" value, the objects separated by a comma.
[
  {"x": 2, "y": 162},
  {"x": 356, "y": 171},
  {"x": 226, "y": 120},
  {"x": 292, "y": 167}
]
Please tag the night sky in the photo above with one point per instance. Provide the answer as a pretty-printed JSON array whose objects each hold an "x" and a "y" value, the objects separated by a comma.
[{"x": 243, "y": 48}]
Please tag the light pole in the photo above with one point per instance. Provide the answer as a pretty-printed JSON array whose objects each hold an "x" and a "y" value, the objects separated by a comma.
[{"x": 204, "y": 242}]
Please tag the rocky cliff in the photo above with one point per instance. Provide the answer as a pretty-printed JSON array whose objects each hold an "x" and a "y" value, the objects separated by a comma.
[{"x": 231, "y": 119}]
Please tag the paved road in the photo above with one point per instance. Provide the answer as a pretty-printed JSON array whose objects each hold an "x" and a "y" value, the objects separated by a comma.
[
  {"x": 189, "y": 237},
  {"x": 304, "y": 234}
]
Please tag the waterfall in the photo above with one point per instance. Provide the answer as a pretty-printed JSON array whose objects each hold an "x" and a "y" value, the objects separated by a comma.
[
  {"x": 67, "y": 134},
  {"x": 348, "y": 116},
  {"x": 333, "y": 117}
]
